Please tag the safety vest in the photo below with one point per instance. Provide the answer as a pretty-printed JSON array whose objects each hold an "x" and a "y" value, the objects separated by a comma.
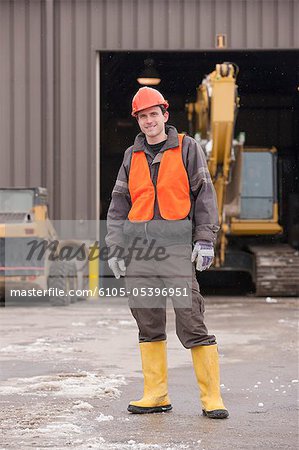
[{"x": 172, "y": 189}]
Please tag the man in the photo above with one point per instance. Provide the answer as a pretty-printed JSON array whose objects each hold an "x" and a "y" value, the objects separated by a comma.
[{"x": 164, "y": 180}]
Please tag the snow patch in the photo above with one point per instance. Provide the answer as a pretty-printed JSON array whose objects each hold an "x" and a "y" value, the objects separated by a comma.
[
  {"x": 80, "y": 384},
  {"x": 126, "y": 322},
  {"x": 103, "y": 418},
  {"x": 99, "y": 443},
  {"x": 59, "y": 428},
  {"x": 39, "y": 346},
  {"x": 78, "y": 404}
]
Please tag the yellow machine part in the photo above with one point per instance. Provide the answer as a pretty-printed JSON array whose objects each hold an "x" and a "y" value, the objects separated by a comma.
[
  {"x": 253, "y": 227},
  {"x": 215, "y": 114},
  {"x": 94, "y": 268}
]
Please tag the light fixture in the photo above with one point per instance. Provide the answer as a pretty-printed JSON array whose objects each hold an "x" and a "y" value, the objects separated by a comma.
[
  {"x": 221, "y": 41},
  {"x": 149, "y": 76}
]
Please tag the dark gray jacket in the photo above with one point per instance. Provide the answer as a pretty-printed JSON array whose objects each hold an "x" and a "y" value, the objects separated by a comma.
[{"x": 203, "y": 215}]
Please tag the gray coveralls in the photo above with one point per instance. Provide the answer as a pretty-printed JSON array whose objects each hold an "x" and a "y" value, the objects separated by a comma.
[{"x": 203, "y": 223}]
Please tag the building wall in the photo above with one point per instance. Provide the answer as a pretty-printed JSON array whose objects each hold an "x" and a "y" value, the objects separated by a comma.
[{"x": 48, "y": 81}]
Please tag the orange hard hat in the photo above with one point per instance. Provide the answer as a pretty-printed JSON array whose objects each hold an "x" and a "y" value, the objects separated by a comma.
[{"x": 145, "y": 98}]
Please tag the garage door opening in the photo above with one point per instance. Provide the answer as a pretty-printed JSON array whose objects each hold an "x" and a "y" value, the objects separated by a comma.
[{"x": 268, "y": 113}]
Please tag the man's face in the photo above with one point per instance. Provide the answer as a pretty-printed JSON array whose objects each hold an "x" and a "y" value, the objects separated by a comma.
[{"x": 151, "y": 121}]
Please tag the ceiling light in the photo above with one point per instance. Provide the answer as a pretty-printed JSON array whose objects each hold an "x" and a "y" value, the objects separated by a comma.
[{"x": 149, "y": 76}]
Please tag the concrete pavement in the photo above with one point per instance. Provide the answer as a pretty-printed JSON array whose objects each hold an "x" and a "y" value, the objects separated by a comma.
[{"x": 67, "y": 375}]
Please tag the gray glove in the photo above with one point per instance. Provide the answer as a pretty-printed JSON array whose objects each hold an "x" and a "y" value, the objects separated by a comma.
[
  {"x": 203, "y": 254},
  {"x": 117, "y": 266}
]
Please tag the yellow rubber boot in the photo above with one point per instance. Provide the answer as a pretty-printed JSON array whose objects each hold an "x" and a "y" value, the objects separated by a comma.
[
  {"x": 154, "y": 366},
  {"x": 206, "y": 367}
]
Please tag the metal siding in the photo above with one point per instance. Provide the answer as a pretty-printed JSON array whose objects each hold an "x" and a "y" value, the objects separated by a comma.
[
  {"x": 66, "y": 105},
  {"x": 47, "y": 102},
  {"x": 237, "y": 37},
  {"x": 206, "y": 24},
  {"x": 33, "y": 104},
  {"x": 160, "y": 23},
  {"x": 144, "y": 29},
  {"x": 5, "y": 104},
  {"x": 20, "y": 95},
  {"x": 128, "y": 27},
  {"x": 81, "y": 124},
  {"x": 113, "y": 21},
  {"x": 253, "y": 23},
  {"x": 222, "y": 10},
  {"x": 269, "y": 17},
  {"x": 48, "y": 54},
  {"x": 294, "y": 24},
  {"x": 285, "y": 28},
  {"x": 190, "y": 29},
  {"x": 174, "y": 24}
]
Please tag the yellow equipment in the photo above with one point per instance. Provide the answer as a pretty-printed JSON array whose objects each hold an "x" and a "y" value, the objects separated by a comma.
[
  {"x": 24, "y": 226},
  {"x": 245, "y": 183}
]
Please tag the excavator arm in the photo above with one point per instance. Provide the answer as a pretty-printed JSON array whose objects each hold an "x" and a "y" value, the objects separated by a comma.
[{"x": 211, "y": 119}]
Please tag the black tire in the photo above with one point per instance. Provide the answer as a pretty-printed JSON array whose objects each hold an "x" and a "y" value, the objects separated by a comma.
[
  {"x": 73, "y": 280},
  {"x": 59, "y": 278}
]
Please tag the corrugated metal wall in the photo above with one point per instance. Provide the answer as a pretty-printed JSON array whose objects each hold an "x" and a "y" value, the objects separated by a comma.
[{"x": 48, "y": 66}]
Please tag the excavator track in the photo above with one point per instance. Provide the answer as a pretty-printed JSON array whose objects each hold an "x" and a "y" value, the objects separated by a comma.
[{"x": 277, "y": 270}]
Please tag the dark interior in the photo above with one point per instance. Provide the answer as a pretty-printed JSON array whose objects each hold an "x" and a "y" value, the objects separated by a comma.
[{"x": 268, "y": 84}]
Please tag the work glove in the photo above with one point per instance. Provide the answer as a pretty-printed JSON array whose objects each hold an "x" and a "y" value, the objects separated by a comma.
[
  {"x": 117, "y": 266},
  {"x": 203, "y": 254}
]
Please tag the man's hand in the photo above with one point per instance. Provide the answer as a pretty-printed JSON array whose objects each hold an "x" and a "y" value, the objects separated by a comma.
[
  {"x": 117, "y": 266},
  {"x": 203, "y": 254}
]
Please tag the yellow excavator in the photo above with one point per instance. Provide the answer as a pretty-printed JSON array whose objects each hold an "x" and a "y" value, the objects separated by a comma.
[{"x": 245, "y": 180}]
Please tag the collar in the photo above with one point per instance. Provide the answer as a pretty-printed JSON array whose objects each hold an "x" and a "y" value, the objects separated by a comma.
[{"x": 171, "y": 142}]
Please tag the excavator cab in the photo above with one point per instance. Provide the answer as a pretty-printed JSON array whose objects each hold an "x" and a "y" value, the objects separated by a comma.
[
  {"x": 258, "y": 203},
  {"x": 18, "y": 205}
]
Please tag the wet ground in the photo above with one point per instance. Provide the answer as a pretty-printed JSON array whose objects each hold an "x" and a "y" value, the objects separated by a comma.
[{"x": 67, "y": 375}]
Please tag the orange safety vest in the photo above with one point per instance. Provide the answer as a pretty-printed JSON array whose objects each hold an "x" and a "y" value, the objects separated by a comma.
[{"x": 173, "y": 190}]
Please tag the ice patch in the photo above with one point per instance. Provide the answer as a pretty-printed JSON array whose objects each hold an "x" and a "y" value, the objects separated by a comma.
[
  {"x": 39, "y": 346},
  {"x": 271, "y": 300},
  {"x": 60, "y": 428},
  {"x": 78, "y": 324},
  {"x": 99, "y": 443},
  {"x": 82, "y": 405},
  {"x": 73, "y": 385},
  {"x": 103, "y": 418},
  {"x": 126, "y": 322}
]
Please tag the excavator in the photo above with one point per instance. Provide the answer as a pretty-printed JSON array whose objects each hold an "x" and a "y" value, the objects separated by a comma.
[{"x": 246, "y": 185}]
